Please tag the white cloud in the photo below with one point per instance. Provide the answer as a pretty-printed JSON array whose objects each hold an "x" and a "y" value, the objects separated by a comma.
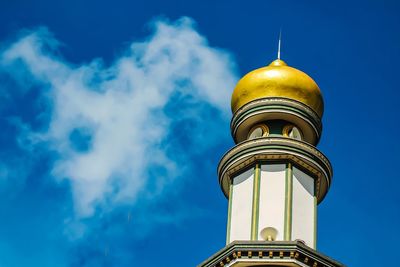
[{"x": 109, "y": 125}]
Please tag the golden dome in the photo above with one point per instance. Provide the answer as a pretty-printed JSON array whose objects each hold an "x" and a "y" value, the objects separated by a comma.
[{"x": 278, "y": 80}]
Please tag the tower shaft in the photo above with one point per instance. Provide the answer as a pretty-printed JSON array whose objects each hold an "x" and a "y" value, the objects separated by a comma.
[{"x": 283, "y": 198}]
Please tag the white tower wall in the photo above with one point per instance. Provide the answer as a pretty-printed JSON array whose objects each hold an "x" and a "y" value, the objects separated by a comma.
[
  {"x": 303, "y": 214},
  {"x": 272, "y": 195},
  {"x": 272, "y": 199},
  {"x": 241, "y": 207}
]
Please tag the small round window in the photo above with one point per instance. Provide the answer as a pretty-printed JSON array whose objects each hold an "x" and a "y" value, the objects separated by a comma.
[
  {"x": 260, "y": 130},
  {"x": 292, "y": 132}
]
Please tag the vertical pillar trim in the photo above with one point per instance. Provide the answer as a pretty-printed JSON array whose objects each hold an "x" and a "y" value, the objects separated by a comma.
[
  {"x": 287, "y": 236},
  {"x": 256, "y": 202},
  {"x": 230, "y": 200},
  {"x": 315, "y": 221}
]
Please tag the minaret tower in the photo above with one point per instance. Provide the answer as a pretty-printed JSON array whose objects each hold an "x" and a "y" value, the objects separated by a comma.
[{"x": 274, "y": 177}]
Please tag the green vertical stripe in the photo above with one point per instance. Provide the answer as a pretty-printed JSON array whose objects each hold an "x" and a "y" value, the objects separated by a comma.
[
  {"x": 256, "y": 202},
  {"x": 228, "y": 227},
  {"x": 288, "y": 202}
]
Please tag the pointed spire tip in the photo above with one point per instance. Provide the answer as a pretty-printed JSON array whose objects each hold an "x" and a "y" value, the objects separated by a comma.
[{"x": 279, "y": 43}]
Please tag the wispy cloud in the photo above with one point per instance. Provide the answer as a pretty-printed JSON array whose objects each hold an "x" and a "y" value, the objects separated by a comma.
[{"x": 124, "y": 130}]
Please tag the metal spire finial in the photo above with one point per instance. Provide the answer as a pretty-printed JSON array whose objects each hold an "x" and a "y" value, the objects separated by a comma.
[{"x": 279, "y": 43}]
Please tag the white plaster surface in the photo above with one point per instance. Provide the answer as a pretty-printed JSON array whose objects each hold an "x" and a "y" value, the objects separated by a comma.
[
  {"x": 303, "y": 207},
  {"x": 242, "y": 201},
  {"x": 272, "y": 198}
]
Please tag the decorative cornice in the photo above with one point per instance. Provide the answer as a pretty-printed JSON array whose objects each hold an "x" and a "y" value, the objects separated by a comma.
[
  {"x": 255, "y": 253},
  {"x": 301, "y": 154},
  {"x": 266, "y": 107}
]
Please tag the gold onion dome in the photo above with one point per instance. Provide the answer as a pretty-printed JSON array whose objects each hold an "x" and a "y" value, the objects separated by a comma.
[{"x": 278, "y": 80}]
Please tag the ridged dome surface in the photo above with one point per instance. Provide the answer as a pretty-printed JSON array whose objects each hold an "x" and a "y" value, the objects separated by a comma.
[{"x": 278, "y": 80}]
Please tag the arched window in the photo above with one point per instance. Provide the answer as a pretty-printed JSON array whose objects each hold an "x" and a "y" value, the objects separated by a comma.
[
  {"x": 259, "y": 130},
  {"x": 292, "y": 131}
]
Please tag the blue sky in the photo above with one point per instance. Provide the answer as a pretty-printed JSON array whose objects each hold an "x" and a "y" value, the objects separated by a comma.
[{"x": 114, "y": 115}]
